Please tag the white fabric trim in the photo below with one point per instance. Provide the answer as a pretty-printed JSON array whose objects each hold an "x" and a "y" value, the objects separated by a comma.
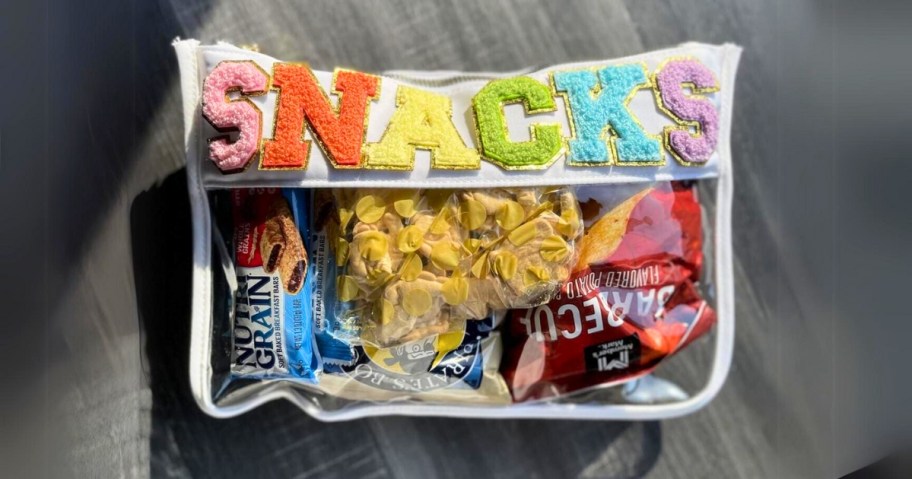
[{"x": 460, "y": 88}]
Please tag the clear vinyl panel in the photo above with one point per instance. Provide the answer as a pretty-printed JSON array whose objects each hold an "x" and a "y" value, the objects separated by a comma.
[{"x": 495, "y": 298}]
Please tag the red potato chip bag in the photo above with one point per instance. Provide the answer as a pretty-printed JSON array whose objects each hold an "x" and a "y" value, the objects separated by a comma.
[{"x": 631, "y": 300}]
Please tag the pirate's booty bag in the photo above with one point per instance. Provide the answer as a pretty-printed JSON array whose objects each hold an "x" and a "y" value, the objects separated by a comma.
[{"x": 552, "y": 244}]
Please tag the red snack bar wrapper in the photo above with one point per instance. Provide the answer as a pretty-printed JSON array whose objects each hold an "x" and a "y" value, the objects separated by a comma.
[{"x": 631, "y": 301}]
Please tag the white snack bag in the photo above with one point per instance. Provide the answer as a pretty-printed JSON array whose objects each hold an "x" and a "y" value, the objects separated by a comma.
[{"x": 583, "y": 236}]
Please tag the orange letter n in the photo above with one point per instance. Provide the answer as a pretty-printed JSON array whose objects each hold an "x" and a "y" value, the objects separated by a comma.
[{"x": 339, "y": 133}]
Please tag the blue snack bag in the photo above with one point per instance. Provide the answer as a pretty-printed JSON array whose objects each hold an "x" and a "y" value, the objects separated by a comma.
[{"x": 334, "y": 334}]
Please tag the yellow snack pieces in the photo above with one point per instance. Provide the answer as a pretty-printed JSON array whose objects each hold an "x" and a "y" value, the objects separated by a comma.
[
  {"x": 345, "y": 216},
  {"x": 373, "y": 245},
  {"x": 341, "y": 252},
  {"x": 505, "y": 264},
  {"x": 416, "y": 302},
  {"x": 569, "y": 223},
  {"x": 523, "y": 234},
  {"x": 472, "y": 214},
  {"x": 347, "y": 288},
  {"x": 555, "y": 249},
  {"x": 405, "y": 202},
  {"x": 471, "y": 245},
  {"x": 510, "y": 215},
  {"x": 455, "y": 290},
  {"x": 445, "y": 255},
  {"x": 534, "y": 275},
  {"x": 410, "y": 239},
  {"x": 411, "y": 268},
  {"x": 370, "y": 208},
  {"x": 437, "y": 199},
  {"x": 442, "y": 222},
  {"x": 377, "y": 276},
  {"x": 386, "y": 311},
  {"x": 481, "y": 267},
  {"x": 447, "y": 342}
]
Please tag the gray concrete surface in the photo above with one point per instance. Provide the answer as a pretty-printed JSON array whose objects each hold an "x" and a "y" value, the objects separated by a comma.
[{"x": 818, "y": 379}]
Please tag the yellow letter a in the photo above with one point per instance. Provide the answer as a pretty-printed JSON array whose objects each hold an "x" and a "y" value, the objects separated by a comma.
[{"x": 422, "y": 120}]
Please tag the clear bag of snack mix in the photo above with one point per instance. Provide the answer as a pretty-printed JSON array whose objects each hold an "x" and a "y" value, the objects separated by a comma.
[{"x": 421, "y": 262}]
